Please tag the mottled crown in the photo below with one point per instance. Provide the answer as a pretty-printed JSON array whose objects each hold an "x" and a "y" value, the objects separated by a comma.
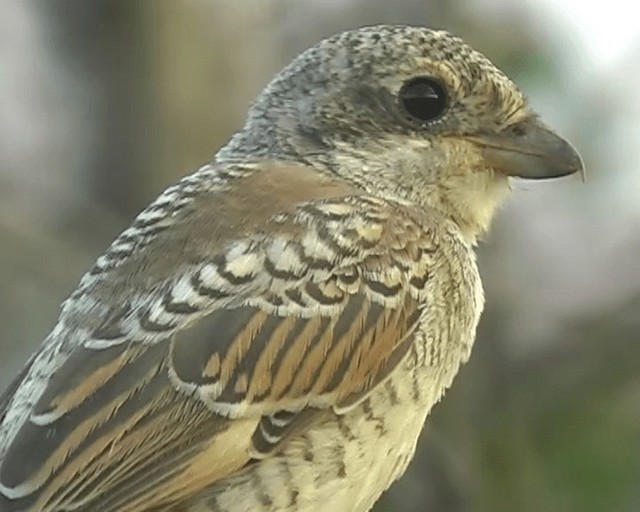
[{"x": 345, "y": 87}]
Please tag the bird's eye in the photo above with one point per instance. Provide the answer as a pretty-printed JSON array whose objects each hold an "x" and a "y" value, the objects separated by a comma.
[{"x": 423, "y": 98}]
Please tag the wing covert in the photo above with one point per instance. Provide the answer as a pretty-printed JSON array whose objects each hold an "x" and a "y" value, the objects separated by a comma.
[{"x": 176, "y": 381}]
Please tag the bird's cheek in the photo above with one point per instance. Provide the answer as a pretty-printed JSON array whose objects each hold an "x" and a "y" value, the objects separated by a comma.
[{"x": 459, "y": 157}]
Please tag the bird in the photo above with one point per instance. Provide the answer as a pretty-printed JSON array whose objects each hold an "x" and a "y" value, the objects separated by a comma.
[{"x": 271, "y": 333}]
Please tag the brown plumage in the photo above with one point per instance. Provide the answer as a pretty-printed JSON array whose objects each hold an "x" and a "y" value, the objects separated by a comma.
[{"x": 270, "y": 333}]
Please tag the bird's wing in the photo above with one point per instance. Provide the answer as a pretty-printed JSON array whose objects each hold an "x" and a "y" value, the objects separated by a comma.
[{"x": 225, "y": 319}]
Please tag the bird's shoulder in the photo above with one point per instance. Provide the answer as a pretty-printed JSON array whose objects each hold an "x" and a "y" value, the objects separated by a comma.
[{"x": 230, "y": 230}]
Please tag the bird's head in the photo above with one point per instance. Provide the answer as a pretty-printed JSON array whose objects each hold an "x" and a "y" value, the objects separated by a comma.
[{"x": 410, "y": 113}]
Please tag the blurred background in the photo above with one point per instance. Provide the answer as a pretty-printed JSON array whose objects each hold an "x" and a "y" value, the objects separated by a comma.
[{"x": 105, "y": 103}]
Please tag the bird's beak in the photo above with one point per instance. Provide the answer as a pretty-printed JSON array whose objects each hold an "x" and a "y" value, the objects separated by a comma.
[{"x": 529, "y": 150}]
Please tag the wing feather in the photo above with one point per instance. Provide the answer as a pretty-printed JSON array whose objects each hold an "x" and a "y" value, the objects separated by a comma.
[{"x": 181, "y": 380}]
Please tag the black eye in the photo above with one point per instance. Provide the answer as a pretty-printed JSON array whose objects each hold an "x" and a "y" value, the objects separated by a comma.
[{"x": 423, "y": 98}]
